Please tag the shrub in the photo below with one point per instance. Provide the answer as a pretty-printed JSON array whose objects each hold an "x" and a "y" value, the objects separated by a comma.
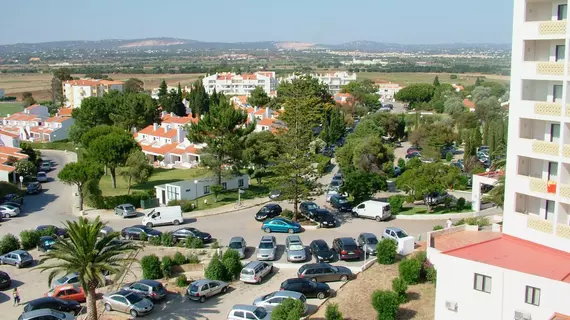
[
  {"x": 216, "y": 269},
  {"x": 397, "y": 203},
  {"x": 193, "y": 259},
  {"x": 386, "y": 251},
  {"x": 287, "y": 214},
  {"x": 151, "y": 267},
  {"x": 421, "y": 256},
  {"x": 143, "y": 237},
  {"x": 452, "y": 76},
  {"x": 29, "y": 239},
  {"x": 110, "y": 202},
  {"x": 181, "y": 281},
  {"x": 166, "y": 266},
  {"x": 482, "y": 222},
  {"x": 448, "y": 156},
  {"x": 215, "y": 245},
  {"x": 9, "y": 243},
  {"x": 386, "y": 303},
  {"x": 194, "y": 243},
  {"x": 288, "y": 309},
  {"x": 179, "y": 259},
  {"x": 438, "y": 227},
  {"x": 400, "y": 287},
  {"x": 431, "y": 273},
  {"x": 332, "y": 312},
  {"x": 323, "y": 162},
  {"x": 410, "y": 270},
  {"x": 155, "y": 241},
  {"x": 401, "y": 165},
  {"x": 460, "y": 205},
  {"x": 185, "y": 205},
  {"x": 49, "y": 231},
  {"x": 460, "y": 222},
  {"x": 232, "y": 262},
  {"x": 166, "y": 239}
]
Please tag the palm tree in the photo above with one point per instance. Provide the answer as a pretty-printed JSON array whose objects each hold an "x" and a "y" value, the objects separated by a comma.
[{"x": 89, "y": 254}]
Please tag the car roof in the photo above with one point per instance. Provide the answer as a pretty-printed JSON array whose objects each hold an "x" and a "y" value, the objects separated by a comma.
[
  {"x": 40, "y": 312},
  {"x": 46, "y": 238},
  {"x": 19, "y": 251},
  {"x": 201, "y": 282},
  {"x": 236, "y": 239},
  {"x": 322, "y": 210},
  {"x": 294, "y": 238},
  {"x": 126, "y": 204},
  {"x": 308, "y": 202},
  {"x": 316, "y": 265},
  {"x": 319, "y": 241},
  {"x": 137, "y": 226},
  {"x": 347, "y": 240},
  {"x": 271, "y": 205},
  {"x": 395, "y": 229},
  {"x": 245, "y": 307},
  {"x": 44, "y": 300},
  {"x": 267, "y": 238},
  {"x": 368, "y": 235},
  {"x": 120, "y": 292},
  {"x": 253, "y": 264},
  {"x": 146, "y": 281},
  {"x": 286, "y": 293}
]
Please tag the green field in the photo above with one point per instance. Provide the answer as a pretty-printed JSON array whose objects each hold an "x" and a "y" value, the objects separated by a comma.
[
  {"x": 10, "y": 108},
  {"x": 406, "y": 78}
]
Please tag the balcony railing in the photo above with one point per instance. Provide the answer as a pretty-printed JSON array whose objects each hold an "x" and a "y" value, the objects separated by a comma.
[
  {"x": 548, "y": 109},
  {"x": 544, "y": 147},
  {"x": 537, "y": 185},
  {"x": 549, "y": 28},
  {"x": 550, "y": 68},
  {"x": 566, "y": 151},
  {"x": 563, "y": 231},
  {"x": 540, "y": 225},
  {"x": 565, "y": 191}
]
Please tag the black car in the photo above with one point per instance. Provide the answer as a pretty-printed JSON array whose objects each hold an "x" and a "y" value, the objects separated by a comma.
[
  {"x": 268, "y": 211},
  {"x": 60, "y": 232},
  {"x": 5, "y": 281},
  {"x": 346, "y": 248},
  {"x": 324, "y": 218},
  {"x": 341, "y": 203},
  {"x": 69, "y": 306},
  {"x": 321, "y": 251},
  {"x": 321, "y": 272},
  {"x": 34, "y": 188},
  {"x": 134, "y": 232},
  {"x": 46, "y": 243},
  {"x": 307, "y": 287},
  {"x": 415, "y": 154},
  {"x": 12, "y": 197},
  {"x": 184, "y": 233},
  {"x": 307, "y": 207}
]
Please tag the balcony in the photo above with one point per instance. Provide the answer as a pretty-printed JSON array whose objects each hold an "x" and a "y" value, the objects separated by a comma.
[
  {"x": 563, "y": 231},
  {"x": 544, "y": 30},
  {"x": 549, "y": 109},
  {"x": 539, "y": 224},
  {"x": 565, "y": 191},
  {"x": 545, "y": 148},
  {"x": 542, "y": 70},
  {"x": 538, "y": 149}
]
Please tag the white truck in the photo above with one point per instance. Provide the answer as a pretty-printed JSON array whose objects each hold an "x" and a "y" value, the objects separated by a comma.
[
  {"x": 163, "y": 215},
  {"x": 373, "y": 209}
]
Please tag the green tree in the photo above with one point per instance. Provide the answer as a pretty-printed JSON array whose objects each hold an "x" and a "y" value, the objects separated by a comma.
[
  {"x": 332, "y": 312},
  {"x": 478, "y": 82},
  {"x": 97, "y": 132},
  {"x": 289, "y": 309},
  {"x": 333, "y": 126},
  {"x": 162, "y": 91},
  {"x": 436, "y": 81},
  {"x": 216, "y": 270},
  {"x": 386, "y": 303},
  {"x": 138, "y": 169},
  {"x": 479, "y": 94},
  {"x": 112, "y": 150},
  {"x": 133, "y": 85},
  {"x": 94, "y": 111},
  {"x": 432, "y": 138},
  {"x": 415, "y": 94},
  {"x": 89, "y": 254},
  {"x": 59, "y": 76},
  {"x": 394, "y": 126},
  {"x": 258, "y": 97},
  {"x": 223, "y": 129},
  {"x": 80, "y": 174},
  {"x": 216, "y": 97},
  {"x": 25, "y": 168},
  {"x": 454, "y": 107},
  {"x": 497, "y": 194},
  {"x": 362, "y": 185},
  {"x": 261, "y": 148},
  {"x": 199, "y": 100},
  {"x": 28, "y": 99},
  {"x": 365, "y": 93},
  {"x": 34, "y": 156},
  {"x": 135, "y": 111}
]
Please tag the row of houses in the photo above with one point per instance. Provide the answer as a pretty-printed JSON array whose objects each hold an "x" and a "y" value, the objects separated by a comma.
[
  {"x": 9, "y": 152},
  {"x": 35, "y": 124}
]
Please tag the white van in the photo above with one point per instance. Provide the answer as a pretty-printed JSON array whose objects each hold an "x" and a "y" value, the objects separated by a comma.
[
  {"x": 373, "y": 209},
  {"x": 163, "y": 215}
]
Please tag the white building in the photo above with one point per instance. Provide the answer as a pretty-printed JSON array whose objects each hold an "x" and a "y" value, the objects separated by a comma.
[
  {"x": 35, "y": 124},
  {"x": 9, "y": 152},
  {"x": 523, "y": 273},
  {"x": 387, "y": 91},
  {"x": 334, "y": 80},
  {"x": 75, "y": 91},
  {"x": 240, "y": 84},
  {"x": 190, "y": 190}
]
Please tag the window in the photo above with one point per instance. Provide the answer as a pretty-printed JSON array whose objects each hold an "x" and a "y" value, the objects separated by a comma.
[
  {"x": 240, "y": 183},
  {"x": 482, "y": 283},
  {"x": 173, "y": 193},
  {"x": 532, "y": 296},
  {"x": 238, "y": 314},
  {"x": 560, "y": 52},
  {"x": 552, "y": 170},
  {"x": 556, "y": 93},
  {"x": 224, "y": 186},
  {"x": 549, "y": 215},
  {"x": 554, "y": 132},
  {"x": 206, "y": 189},
  {"x": 562, "y": 11}
]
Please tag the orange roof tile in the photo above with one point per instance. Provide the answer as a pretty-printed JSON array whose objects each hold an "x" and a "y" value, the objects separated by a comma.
[
  {"x": 65, "y": 112},
  {"x": 20, "y": 116},
  {"x": 260, "y": 111},
  {"x": 4, "y": 167},
  {"x": 159, "y": 132},
  {"x": 57, "y": 119},
  {"x": 559, "y": 316},
  {"x": 159, "y": 150},
  {"x": 266, "y": 122},
  {"x": 179, "y": 120},
  {"x": 468, "y": 103},
  {"x": 10, "y": 134},
  {"x": 41, "y": 130}
]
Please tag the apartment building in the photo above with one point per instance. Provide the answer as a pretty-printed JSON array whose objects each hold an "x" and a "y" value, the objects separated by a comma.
[
  {"x": 334, "y": 80},
  {"x": 35, "y": 124},
  {"x": 522, "y": 273},
  {"x": 388, "y": 91},
  {"x": 240, "y": 84},
  {"x": 75, "y": 91}
]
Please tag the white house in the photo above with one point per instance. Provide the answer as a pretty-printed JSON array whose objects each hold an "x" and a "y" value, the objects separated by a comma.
[
  {"x": 9, "y": 151},
  {"x": 75, "y": 91},
  {"x": 54, "y": 129},
  {"x": 190, "y": 190},
  {"x": 35, "y": 124},
  {"x": 334, "y": 80},
  {"x": 240, "y": 84},
  {"x": 388, "y": 91}
]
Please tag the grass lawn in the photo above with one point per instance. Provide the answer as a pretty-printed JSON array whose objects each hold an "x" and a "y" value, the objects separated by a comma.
[
  {"x": 7, "y": 108},
  {"x": 422, "y": 209}
]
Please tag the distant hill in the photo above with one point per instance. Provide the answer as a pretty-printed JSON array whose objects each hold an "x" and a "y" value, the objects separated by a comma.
[{"x": 372, "y": 46}]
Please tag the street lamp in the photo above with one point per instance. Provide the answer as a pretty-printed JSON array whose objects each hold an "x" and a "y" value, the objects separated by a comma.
[{"x": 196, "y": 194}]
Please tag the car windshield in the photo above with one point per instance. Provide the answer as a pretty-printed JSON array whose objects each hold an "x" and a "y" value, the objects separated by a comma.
[
  {"x": 268, "y": 296},
  {"x": 41, "y": 174},
  {"x": 295, "y": 247},
  {"x": 371, "y": 240},
  {"x": 235, "y": 245},
  {"x": 248, "y": 272},
  {"x": 63, "y": 279},
  {"x": 49, "y": 242},
  {"x": 266, "y": 245},
  {"x": 129, "y": 208},
  {"x": 322, "y": 247},
  {"x": 334, "y": 183},
  {"x": 401, "y": 234},
  {"x": 193, "y": 288},
  {"x": 312, "y": 206},
  {"x": 133, "y": 298},
  {"x": 342, "y": 200},
  {"x": 335, "y": 269},
  {"x": 260, "y": 313},
  {"x": 148, "y": 230}
]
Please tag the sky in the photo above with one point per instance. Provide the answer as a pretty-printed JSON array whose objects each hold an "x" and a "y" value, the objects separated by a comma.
[{"x": 315, "y": 21}]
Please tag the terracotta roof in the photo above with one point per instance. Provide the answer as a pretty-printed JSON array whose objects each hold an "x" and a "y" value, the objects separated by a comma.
[
  {"x": 20, "y": 116},
  {"x": 468, "y": 103},
  {"x": 92, "y": 82},
  {"x": 4, "y": 167},
  {"x": 189, "y": 149},
  {"x": 249, "y": 76},
  {"x": 519, "y": 255},
  {"x": 32, "y": 107},
  {"x": 266, "y": 122},
  {"x": 159, "y": 132},
  {"x": 179, "y": 120},
  {"x": 41, "y": 130},
  {"x": 224, "y": 76},
  {"x": 57, "y": 119},
  {"x": 165, "y": 148},
  {"x": 260, "y": 111},
  {"x": 10, "y": 134},
  {"x": 65, "y": 112},
  {"x": 269, "y": 74},
  {"x": 559, "y": 316}
]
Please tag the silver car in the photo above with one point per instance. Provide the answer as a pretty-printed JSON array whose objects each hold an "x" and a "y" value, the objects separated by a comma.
[
  {"x": 244, "y": 311},
  {"x": 18, "y": 258},
  {"x": 273, "y": 299},
  {"x": 368, "y": 242},
  {"x": 126, "y": 210},
  {"x": 267, "y": 248},
  {"x": 127, "y": 302},
  {"x": 201, "y": 289},
  {"x": 46, "y": 314},
  {"x": 295, "y": 249},
  {"x": 71, "y": 278},
  {"x": 239, "y": 245}
]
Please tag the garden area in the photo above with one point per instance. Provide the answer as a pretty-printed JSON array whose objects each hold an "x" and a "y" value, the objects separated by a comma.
[{"x": 442, "y": 204}]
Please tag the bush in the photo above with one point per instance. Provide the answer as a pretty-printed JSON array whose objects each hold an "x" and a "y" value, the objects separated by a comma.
[
  {"x": 181, "y": 281},
  {"x": 9, "y": 243},
  {"x": 143, "y": 237},
  {"x": 193, "y": 259},
  {"x": 421, "y": 256},
  {"x": 287, "y": 214},
  {"x": 166, "y": 266},
  {"x": 215, "y": 245},
  {"x": 400, "y": 287},
  {"x": 111, "y": 202},
  {"x": 397, "y": 203},
  {"x": 194, "y": 243},
  {"x": 459, "y": 222},
  {"x": 216, "y": 269},
  {"x": 431, "y": 273},
  {"x": 151, "y": 267},
  {"x": 410, "y": 270},
  {"x": 49, "y": 231},
  {"x": 448, "y": 156},
  {"x": 29, "y": 239},
  {"x": 386, "y": 303},
  {"x": 438, "y": 227},
  {"x": 288, "y": 309},
  {"x": 452, "y": 76},
  {"x": 460, "y": 205},
  {"x": 155, "y": 241},
  {"x": 166, "y": 239},
  {"x": 402, "y": 165},
  {"x": 232, "y": 262},
  {"x": 332, "y": 312},
  {"x": 323, "y": 162},
  {"x": 386, "y": 251},
  {"x": 179, "y": 259},
  {"x": 185, "y": 205}
]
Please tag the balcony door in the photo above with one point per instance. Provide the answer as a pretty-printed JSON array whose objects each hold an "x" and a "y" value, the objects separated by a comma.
[
  {"x": 549, "y": 214},
  {"x": 557, "y": 93},
  {"x": 554, "y": 132},
  {"x": 552, "y": 170},
  {"x": 562, "y": 11},
  {"x": 560, "y": 52}
]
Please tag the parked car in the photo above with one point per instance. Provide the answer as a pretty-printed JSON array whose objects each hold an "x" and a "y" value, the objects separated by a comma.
[
  {"x": 373, "y": 209},
  {"x": 42, "y": 314},
  {"x": 295, "y": 249},
  {"x": 281, "y": 225},
  {"x": 415, "y": 154},
  {"x": 268, "y": 211},
  {"x": 59, "y": 232},
  {"x": 134, "y": 232},
  {"x": 9, "y": 211},
  {"x": 249, "y": 312},
  {"x": 106, "y": 230},
  {"x": 394, "y": 234},
  {"x": 337, "y": 177},
  {"x": 346, "y": 248},
  {"x": 61, "y": 305},
  {"x": 41, "y": 176},
  {"x": 126, "y": 210},
  {"x": 71, "y": 278},
  {"x": 335, "y": 185},
  {"x": 274, "y": 194},
  {"x": 272, "y": 300},
  {"x": 324, "y": 272},
  {"x": 5, "y": 281},
  {"x": 13, "y": 204},
  {"x": 306, "y": 207},
  {"x": 331, "y": 192},
  {"x": 324, "y": 218},
  {"x": 200, "y": 290},
  {"x": 162, "y": 216},
  {"x": 67, "y": 292},
  {"x": 321, "y": 251},
  {"x": 127, "y": 302},
  {"x": 238, "y": 244},
  {"x": 34, "y": 188},
  {"x": 340, "y": 203},
  {"x": 46, "y": 243},
  {"x": 267, "y": 248},
  {"x": 307, "y": 287},
  {"x": 436, "y": 198},
  {"x": 483, "y": 148},
  {"x": 458, "y": 165},
  {"x": 183, "y": 233},
  {"x": 18, "y": 258},
  {"x": 368, "y": 242},
  {"x": 150, "y": 289},
  {"x": 255, "y": 271},
  {"x": 413, "y": 149},
  {"x": 12, "y": 197},
  {"x": 45, "y": 166}
]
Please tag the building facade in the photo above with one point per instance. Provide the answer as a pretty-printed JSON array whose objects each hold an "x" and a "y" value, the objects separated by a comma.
[
  {"x": 75, "y": 91},
  {"x": 387, "y": 91},
  {"x": 9, "y": 153},
  {"x": 240, "y": 84},
  {"x": 35, "y": 124},
  {"x": 190, "y": 190},
  {"x": 333, "y": 80}
]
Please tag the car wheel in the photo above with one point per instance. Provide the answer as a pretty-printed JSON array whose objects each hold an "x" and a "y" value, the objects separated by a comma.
[
  {"x": 291, "y": 231},
  {"x": 224, "y": 289},
  {"x": 176, "y": 222},
  {"x": 134, "y": 313},
  {"x": 321, "y": 295},
  {"x": 344, "y": 278},
  {"x": 355, "y": 215},
  {"x": 378, "y": 218},
  {"x": 129, "y": 237},
  {"x": 267, "y": 230},
  {"x": 202, "y": 299},
  {"x": 259, "y": 280},
  {"x": 18, "y": 265},
  {"x": 108, "y": 307},
  {"x": 149, "y": 225},
  {"x": 1, "y": 262}
]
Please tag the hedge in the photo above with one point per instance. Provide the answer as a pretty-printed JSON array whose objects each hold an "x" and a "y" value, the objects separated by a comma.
[
  {"x": 323, "y": 162},
  {"x": 410, "y": 270},
  {"x": 386, "y": 251},
  {"x": 9, "y": 243},
  {"x": 151, "y": 267},
  {"x": 29, "y": 239},
  {"x": 185, "y": 205},
  {"x": 111, "y": 202},
  {"x": 386, "y": 303},
  {"x": 8, "y": 188}
]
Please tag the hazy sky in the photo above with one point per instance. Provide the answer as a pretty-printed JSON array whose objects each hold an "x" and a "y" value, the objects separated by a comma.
[{"x": 317, "y": 21}]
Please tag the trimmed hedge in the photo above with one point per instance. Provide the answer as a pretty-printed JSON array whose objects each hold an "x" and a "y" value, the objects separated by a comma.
[
  {"x": 410, "y": 270},
  {"x": 166, "y": 266},
  {"x": 185, "y": 205},
  {"x": 8, "y": 188},
  {"x": 232, "y": 262},
  {"x": 9, "y": 243},
  {"x": 111, "y": 202},
  {"x": 386, "y": 251},
  {"x": 386, "y": 303},
  {"x": 29, "y": 239},
  {"x": 400, "y": 287},
  {"x": 216, "y": 270}
]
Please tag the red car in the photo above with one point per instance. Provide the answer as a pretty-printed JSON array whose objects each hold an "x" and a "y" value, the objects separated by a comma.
[{"x": 67, "y": 292}]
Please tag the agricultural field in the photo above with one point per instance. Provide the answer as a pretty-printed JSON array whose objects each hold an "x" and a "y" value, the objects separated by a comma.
[
  {"x": 406, "y": 78},
  {"x": 10, "y": 108}
]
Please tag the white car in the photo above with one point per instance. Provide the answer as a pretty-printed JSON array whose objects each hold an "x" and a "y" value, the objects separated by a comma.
[
  {"x": 8, "y": 211},
  {"x": 42, "y": 176}
]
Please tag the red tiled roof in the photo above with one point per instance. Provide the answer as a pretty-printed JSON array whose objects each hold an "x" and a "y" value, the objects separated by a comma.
[
  {"x": 65, "y": 112},
  {"x": 159, "y": 150},
  {"x": 519, "y": 255},
  {"x": 57, "y": 119},
  {"x": 559, "y": 316},
  {"x": 41, "y": 130},
  {"x": 10, "y": 134},
  {"x": 468, "y": 103},
  {"x": 20, "y": 116},
  {"x": 189, "y": 149},
  {"x": 260, "y": 111},
  {"x": 179, "y": 120},
  {"x": 266, "y": 122},
  {"x": 159, "y": 132}
]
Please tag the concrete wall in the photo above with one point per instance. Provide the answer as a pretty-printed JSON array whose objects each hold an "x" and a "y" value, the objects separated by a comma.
[{"x": 188, "y": 190}]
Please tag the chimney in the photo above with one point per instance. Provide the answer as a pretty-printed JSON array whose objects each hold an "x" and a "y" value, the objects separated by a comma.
[
  {"x": 180, "y": 134},
  {"x": 172, "y": 114},
  {"x": 255, "y": 109},
  {"x": 163, "y": 114},
  {"x": 166, "y": 128},
  {"x": 155, "y": 126}
]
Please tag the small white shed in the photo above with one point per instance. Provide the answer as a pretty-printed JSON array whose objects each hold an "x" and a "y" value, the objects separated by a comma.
[{"x": 193, "y": 189}]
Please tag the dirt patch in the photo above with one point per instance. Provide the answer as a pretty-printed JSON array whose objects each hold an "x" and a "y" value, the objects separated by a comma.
[{"x": 355, "y": 298}]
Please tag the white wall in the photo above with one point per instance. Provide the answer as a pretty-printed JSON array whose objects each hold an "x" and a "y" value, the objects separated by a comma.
[
  {"x": 4, "y": 176},
  {"x": 187, "y": 190}
]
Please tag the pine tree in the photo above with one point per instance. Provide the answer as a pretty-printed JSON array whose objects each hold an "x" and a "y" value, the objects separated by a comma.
[
  {"x": 467, "y": 153},
  {"x": 477, "y": 139},
  {"x": 478, "y": 82},
  {"x": 198, "y": 99},
  {"x": 162, "y": 90},
  {"x": 214, "y": 98},
  {"x": 436, "y": 81},
  {"x": 485, "y": 139}
]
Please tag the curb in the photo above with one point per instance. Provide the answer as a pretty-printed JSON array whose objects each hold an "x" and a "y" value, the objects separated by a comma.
[
  {"x": 444, "y": 216},
  {"x": 201, "y": 215}
]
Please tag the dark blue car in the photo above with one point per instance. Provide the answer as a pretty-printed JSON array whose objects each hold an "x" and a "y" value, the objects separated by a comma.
[{"x": 281, "y": 225}]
